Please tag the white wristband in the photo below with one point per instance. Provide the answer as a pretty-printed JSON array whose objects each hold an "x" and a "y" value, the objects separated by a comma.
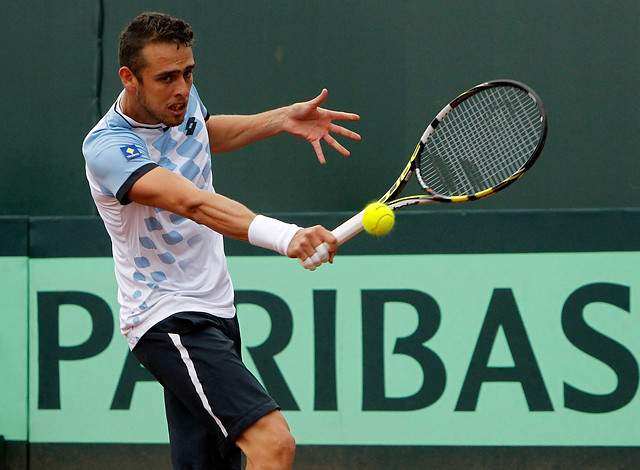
[{"x": 273, "y": 234}]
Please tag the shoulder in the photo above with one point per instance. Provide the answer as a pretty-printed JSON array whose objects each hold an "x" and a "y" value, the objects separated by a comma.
[
  {"x": 103, "y": 141},
  {"x": 113, "y": 147},
  {"x": 111, "y": 128}
]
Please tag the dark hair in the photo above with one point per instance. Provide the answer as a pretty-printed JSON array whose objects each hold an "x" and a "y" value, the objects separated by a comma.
[{"x": 147, "y": 28}]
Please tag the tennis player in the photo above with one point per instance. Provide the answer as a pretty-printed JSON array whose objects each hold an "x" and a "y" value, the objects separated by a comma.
[{"x": 148, "y": 163}]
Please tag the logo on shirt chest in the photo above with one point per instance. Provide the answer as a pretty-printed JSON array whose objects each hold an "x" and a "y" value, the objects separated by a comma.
[{"x": 191, "y": 126}]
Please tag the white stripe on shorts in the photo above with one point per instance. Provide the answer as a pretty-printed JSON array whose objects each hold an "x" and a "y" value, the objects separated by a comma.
[{"x": 184, "y": 355}]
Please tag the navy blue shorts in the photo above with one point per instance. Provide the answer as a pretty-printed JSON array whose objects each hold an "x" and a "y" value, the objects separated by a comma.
[{"x": 210, "y": 396}]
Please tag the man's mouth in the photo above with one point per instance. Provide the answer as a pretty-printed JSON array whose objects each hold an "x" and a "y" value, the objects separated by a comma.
[{"x": 177, "y": 108}]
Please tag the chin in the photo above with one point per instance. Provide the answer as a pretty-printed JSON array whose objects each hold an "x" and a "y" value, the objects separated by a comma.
[{"x": 173, "y": 121}]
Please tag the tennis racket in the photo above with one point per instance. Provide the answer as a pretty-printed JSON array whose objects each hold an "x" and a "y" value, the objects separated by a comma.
[{"x": 480, "y": 143}]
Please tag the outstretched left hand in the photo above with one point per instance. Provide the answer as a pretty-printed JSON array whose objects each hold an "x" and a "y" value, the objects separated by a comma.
[{"x": 309, "y": 121}]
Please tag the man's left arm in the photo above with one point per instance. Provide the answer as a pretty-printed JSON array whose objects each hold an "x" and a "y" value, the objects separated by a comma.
[{"x": 306, "y": 120}]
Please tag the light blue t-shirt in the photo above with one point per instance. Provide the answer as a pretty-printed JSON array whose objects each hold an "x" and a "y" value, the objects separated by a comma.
[{"x": 164, "y": 263}]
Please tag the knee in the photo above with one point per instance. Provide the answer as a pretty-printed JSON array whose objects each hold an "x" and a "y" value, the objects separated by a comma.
[{"x": 268, "y": 443}]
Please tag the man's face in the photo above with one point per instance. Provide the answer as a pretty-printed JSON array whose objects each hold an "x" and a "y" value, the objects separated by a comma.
[{"x": 162, "y": 93}]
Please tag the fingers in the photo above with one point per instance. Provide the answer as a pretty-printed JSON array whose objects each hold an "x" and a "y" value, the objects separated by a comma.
[
  {"x": 313, "y": 246},
  {"x": 319, "y": 257},
  {"x": 332, "y": 115},
  {"x": 343, "y": 131},
  {"x": 321, "y": 254},
  {"x": 329, "y": 139},
  {"x": 341, "y": 116},
  {"x": 308, "y": 264},
  {"x": 313, "y": 123},
  {"x": 336, "y": 145},
  {"x": 318, "y": 100},
  {"x": 318, "y": 148}
]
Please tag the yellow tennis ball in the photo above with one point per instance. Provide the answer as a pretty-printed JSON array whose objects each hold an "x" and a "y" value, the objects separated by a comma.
[{"x": 378, "y": 219}]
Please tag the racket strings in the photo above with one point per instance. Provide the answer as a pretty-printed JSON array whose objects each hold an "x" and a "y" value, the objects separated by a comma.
[{"x": 485, "y": 140}]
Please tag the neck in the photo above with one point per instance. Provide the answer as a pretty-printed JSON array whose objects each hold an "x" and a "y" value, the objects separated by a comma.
[{"x": 131, "y": 108}]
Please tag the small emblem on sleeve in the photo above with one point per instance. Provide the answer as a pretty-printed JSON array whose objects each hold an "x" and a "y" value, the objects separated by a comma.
[{"x": 130, "y": 151}]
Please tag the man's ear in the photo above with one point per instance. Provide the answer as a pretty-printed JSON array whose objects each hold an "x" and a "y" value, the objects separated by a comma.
[{"x": 128, "y": 78}]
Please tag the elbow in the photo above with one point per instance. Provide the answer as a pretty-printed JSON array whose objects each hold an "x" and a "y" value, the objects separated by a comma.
[{"x": 191, "y": 205}]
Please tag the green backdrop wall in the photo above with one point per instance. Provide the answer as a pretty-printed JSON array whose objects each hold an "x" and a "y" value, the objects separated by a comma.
[
  {"x": 395, "y": 63},
  {"x": 512, "y": 349}
]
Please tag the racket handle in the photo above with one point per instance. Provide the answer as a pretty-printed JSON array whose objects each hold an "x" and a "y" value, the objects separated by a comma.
[
  {"x": 342, "y": 232},
  {"x": 349, "y": 229}
]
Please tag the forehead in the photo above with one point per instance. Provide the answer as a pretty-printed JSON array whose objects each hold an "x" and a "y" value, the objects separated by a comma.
[{"x": 166, "y": 56}]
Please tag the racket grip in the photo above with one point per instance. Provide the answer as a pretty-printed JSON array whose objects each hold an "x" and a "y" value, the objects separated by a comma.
[
  {"x": 342, "y": 232},
  {"x": 349, "y": 228}
]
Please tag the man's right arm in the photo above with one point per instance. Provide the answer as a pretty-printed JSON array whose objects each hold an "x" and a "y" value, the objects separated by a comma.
[{"x": 164, "y": 189}]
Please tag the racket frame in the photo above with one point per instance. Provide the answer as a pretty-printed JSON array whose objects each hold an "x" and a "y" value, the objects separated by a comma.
[
  {"x": 354, "y": 225},
  {"x": 390, "y": 196}
]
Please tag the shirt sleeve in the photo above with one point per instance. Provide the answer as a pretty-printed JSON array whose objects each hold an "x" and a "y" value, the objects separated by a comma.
[{"x": 117, "y": 159}]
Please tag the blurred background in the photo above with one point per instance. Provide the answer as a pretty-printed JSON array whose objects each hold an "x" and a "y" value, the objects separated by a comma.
[{"x": 394, "y": 63}]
